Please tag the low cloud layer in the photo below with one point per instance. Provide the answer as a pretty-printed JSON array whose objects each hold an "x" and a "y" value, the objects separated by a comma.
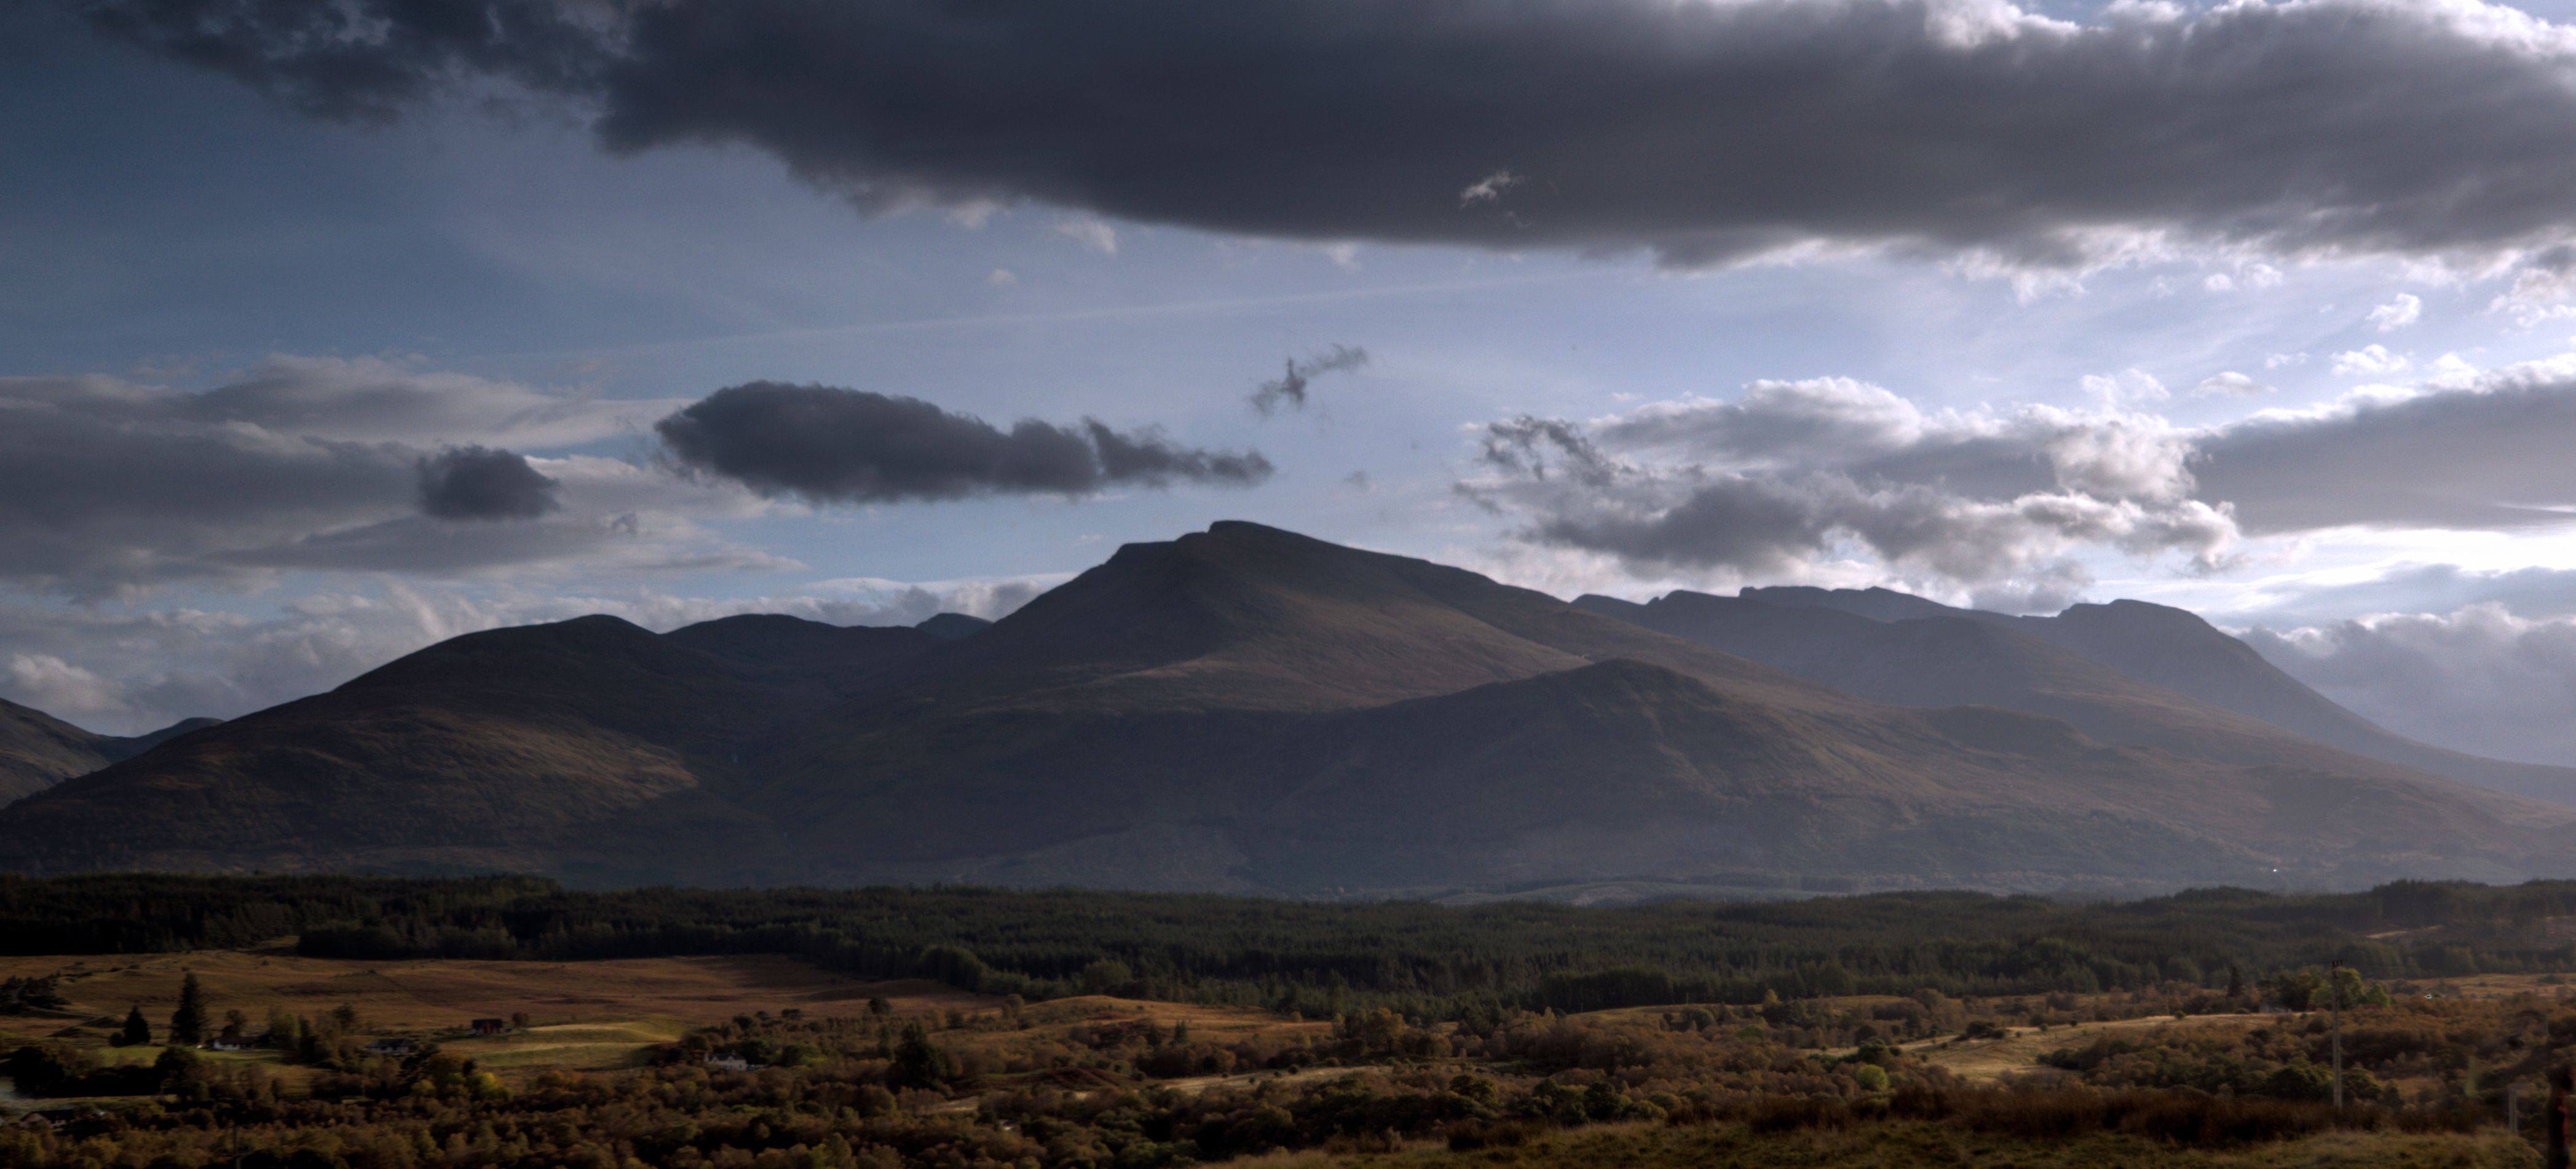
[
  {"x": 1703, "y": 132},
  {"x": 2480, "y": 680},
  {"x": 828, "y": 445}
]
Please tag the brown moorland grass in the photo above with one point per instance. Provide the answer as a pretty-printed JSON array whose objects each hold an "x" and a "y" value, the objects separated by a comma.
[{"x": 1919, "y": 1145}]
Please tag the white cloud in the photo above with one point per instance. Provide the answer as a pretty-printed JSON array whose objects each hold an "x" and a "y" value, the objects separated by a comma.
[
  {"x": 1001, "y": 278},
  {"x": 2397, "y": 314},
  {"x": 1090, "y": 231},
  {"x": 64, "y": 690},
  {"x": 2126, "y": 389},
  {"x": 2371, "y": 361},
  {"x": 2229, "y": 384}
]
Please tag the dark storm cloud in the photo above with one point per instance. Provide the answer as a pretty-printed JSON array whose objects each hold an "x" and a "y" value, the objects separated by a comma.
[
  {"x": 831, "y": 445},
  {"x": 1290, "y": 386},
  {"x": 366, "y": 61},
  {"x": 1702, "y": 131},
  {"x": 480, "y": 483}
]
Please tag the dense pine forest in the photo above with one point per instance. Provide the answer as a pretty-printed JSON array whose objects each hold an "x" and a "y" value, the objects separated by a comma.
[{"x": 1321, "y": 959}]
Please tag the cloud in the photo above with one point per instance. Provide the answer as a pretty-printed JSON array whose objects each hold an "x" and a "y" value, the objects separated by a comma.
[
  {"x": 1290, "y": 386},
  {"x": 2479, "y": 680},
  {"x": 2126, "y": 389},
  {"x": 1090, "y": 232},
  {"x": 108, "y": 486},
  {"x": 2489, "y": 456},
  {"x": 480, "y": 483},
  {"x": 1705, "y": 133},
  {"x": 2537, "y": 593},
  {"x": 2229, "y": 384},
  {"x": 829, "y": 445},
  {"x": 1794, "y": 475},
  {"x": 64, "y": 690},
  {"x": 2371, "y": 361},
  {"x": 2399, "y": 313}
]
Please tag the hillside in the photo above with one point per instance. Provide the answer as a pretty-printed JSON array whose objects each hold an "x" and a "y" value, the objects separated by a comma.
[
  {"x": 1956, "y": 660},
  {"x": 2178, "y": 651},
  {"x": 38, "y": 750},
  {"x": 1248, "y": 709}
]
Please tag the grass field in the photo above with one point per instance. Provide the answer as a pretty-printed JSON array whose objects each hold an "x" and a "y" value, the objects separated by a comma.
[{"x": 583, "y": 1016}]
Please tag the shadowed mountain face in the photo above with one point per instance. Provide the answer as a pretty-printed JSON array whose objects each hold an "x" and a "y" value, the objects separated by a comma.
[
  {"x": 2162, "y": 647},
  {"x": 1247, "y": 709},
  {"x": 38, "y": 750}
]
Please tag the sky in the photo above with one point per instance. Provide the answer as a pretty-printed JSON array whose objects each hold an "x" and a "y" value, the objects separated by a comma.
[{"x": 331, "y": 330}]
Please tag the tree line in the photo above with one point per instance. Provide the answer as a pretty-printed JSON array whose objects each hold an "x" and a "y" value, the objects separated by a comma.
[{"x": 1323, "y": 959}]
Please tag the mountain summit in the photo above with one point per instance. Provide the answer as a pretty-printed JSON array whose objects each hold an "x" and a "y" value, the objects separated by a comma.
[{"x": 1249, "y": 709}]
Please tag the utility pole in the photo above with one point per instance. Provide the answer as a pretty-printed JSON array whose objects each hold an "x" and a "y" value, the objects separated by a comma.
[{"x": 2334, "y": 1007}]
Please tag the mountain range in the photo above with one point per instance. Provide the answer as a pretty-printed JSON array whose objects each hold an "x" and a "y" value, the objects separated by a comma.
[{"x": 1246, "y": 709}]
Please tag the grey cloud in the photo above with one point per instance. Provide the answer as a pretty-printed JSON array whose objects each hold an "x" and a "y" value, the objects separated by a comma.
[
  {"x": 2491, "y": 457},
  {"x": 1290, "y": 386},
  {"x": 480, "y": 483},
  {"x": 2479, "y": 680},
  {"x": 2418, "y": 588},
  {"x": 831, "y": 445},
  {"x": 1797, "y": 473},
  {"x": 108, "y": 486},
  {"x": 1704, "y": 132}
]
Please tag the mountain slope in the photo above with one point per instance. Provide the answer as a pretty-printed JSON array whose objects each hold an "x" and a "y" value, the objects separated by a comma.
[
  {"x": 2177, "y": 650},
  {"x": 1951, "y": 661},
  {"x": 1249, "y": 709},
  {"x": 38, "y": 750}
]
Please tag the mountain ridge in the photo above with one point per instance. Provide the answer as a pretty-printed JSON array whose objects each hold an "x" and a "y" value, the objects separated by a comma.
[{"x": 1240, "y": 709}]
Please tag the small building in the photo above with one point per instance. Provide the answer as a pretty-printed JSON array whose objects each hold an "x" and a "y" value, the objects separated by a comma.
[
  {"x": 393, "y": 1047},
  {"x": 728, "y": 1063},
  {"x": 490, "y": 1026},
  {"x": 235, "y": 1043}
]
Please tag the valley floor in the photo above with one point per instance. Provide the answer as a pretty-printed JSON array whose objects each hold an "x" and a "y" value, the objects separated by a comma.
[
  {"x": 1916, "y": 1145},
  {"x": 1090, "y": 1082}
]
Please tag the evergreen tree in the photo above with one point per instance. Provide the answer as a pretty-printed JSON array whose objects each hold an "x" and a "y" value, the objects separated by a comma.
[
  {"x": 188, "y": 1023},
  {"x": 137, "y": 1032},
  {"x": 919, "y": 1063}
]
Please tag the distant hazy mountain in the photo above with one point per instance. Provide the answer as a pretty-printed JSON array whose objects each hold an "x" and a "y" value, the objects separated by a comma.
[
  {"x": 38, "y": 750},
  {"x": 1249, "y": 709},
  {"x": 2179, "y": 652}
]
